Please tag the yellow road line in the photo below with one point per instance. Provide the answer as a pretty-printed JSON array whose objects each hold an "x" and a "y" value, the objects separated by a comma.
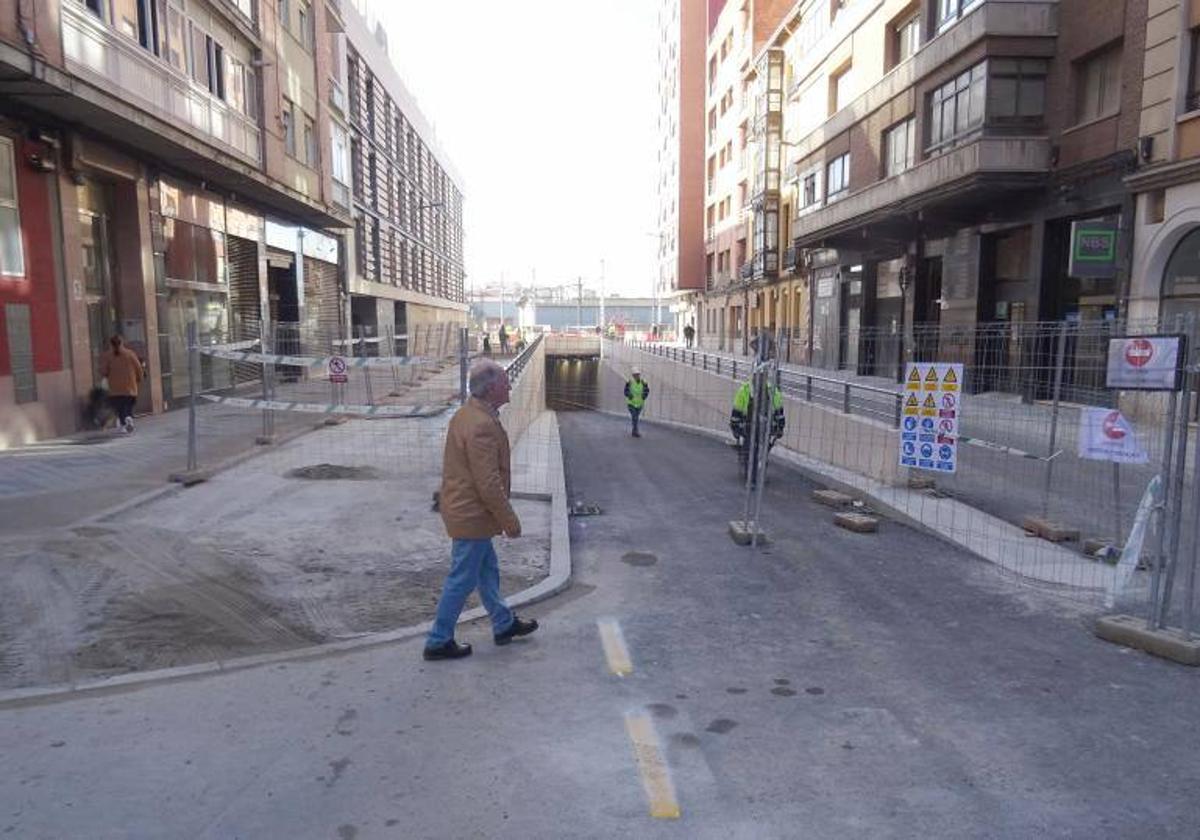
[
  {"x": 652, "y": 767},
  {"x": 615, "y": 651}
]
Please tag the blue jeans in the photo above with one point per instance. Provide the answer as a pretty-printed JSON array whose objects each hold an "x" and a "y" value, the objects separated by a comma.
[
  {"x": 634, "y": 413},
  {"x": 473, "y": 564}
]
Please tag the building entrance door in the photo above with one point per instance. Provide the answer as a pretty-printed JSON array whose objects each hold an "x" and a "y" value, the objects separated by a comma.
[{"x": 101, "y": 292}]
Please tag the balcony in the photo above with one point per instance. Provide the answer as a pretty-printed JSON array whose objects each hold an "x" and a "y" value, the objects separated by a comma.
[
  {"x": 791, "y": 258},
  {"x": 747, "y": 271},
  {"x": 1004, "y": 163},
  {"x": 118, "y": 65},
  {"x": 991, "y": 19}
]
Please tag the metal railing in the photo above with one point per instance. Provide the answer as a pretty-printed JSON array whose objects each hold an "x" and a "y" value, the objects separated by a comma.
[
  {"x": 517, "y": 365},
  {"x": 848, "y": 396}
]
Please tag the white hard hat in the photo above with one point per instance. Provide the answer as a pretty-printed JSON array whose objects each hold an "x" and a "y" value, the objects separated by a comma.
[{"x": 637, "y": 370}]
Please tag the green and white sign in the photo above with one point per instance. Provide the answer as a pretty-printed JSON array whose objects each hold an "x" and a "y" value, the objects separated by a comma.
[{"x": 1093, "y": 249}]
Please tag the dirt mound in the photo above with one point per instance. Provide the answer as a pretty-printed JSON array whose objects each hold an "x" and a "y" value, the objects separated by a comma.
[{"x": 334, "y": 472}]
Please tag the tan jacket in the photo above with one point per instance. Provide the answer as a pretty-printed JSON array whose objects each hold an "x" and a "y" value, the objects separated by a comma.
[
  {"x": 476, "y": 476},
  {"x": 124, "y": 372}
]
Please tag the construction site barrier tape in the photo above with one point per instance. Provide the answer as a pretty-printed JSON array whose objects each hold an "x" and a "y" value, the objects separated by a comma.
[
  {"x": 223, "y": 352},
  {"x": 319, "y": 408}
]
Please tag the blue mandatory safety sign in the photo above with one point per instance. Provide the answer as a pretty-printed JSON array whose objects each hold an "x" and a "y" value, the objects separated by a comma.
[
  {"x": 910, "y": 423},
  {"x": 946, "y": 452},
  {"x": 926, "y": 450},
  {"x": 927, "y": 423},
  {"x": 909, "y": 447}
]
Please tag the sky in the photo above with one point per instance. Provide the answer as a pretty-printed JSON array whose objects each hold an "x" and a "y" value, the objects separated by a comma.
[{"x": 548, "y": 109}]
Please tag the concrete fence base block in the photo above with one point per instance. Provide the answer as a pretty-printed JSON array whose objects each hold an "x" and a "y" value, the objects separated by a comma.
[
  {"x": 265, "y": 440},
  {"x": 1167, "y": 643},
  {"x": 921, "y": 482},
  {"x": 832, "y": 498},
  {"x": 189, "y": 477},
  {"x": 1048, "y": 530},
  {"x": 743, "y": 533},
  {"x": 859, "y": 523},
  {"x": 332, "y": 421}
]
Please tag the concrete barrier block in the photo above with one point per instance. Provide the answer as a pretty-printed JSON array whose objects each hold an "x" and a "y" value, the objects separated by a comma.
[
  {"x": 832, "y": 498},
  {"x": 1050, "y": 531},
  {"x": 859, "y": 523},
  {"x": 1167, "y": 643}
]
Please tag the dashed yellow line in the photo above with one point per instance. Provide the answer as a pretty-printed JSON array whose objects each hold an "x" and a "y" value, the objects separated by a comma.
[
  {"x": 653, "y": 768},
  {"x": 615, "y": 651}
]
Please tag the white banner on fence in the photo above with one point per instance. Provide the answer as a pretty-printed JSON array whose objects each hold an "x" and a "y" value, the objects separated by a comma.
[
  {"x": 1145, "y": 362},
  {"x": 1105, "y": 435},
  {"x": 323, "y": 408},
  {"x": 931, "y": 410}
]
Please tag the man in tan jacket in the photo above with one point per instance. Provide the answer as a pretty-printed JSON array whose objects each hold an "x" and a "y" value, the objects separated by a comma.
[{"x": 473, "y": 500}]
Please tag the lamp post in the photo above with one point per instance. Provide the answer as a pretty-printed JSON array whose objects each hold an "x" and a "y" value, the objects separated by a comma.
[{"x": 905, "y": 280}]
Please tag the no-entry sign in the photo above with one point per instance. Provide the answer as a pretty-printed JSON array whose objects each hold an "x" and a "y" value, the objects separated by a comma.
[
  {"x": 1146, "y": 362},
  {"x": 337, "y": 370}
]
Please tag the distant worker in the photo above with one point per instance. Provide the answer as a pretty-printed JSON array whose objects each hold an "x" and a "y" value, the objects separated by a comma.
[
  {"x": 636, "y": 391},
  {"x": 122, "y": 369},
  {"x": 487, "y": 344},
  {"x": 689, "y": 335},
  {"x": 503, "y": 341},
  {"x": 740, "y": 423}
]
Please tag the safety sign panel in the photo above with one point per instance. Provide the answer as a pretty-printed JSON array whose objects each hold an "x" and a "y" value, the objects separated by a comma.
[
  {"x": 1146, "y": 362},
  {"x": 337, "y": 369},
  {"x": 931, "y": 407}
]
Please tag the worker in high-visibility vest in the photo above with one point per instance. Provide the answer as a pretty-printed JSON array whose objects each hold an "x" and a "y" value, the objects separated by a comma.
[
  {"x": 636, "y": 392},
  {"x": 741, "y": 420}
]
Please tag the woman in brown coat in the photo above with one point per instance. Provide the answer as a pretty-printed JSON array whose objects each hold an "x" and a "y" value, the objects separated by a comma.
[{"x": 123, "y": 370}]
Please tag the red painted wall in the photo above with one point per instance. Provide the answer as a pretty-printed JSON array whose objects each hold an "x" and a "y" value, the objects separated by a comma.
[
  {"x": 714, "y": 12},
  {"x": 38, "y": 288}
]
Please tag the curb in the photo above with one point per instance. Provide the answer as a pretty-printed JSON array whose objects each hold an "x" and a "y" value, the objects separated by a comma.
[{"x": 557, "y": 581}]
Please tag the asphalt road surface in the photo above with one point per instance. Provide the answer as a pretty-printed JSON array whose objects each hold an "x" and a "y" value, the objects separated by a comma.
[{"x": 830, "y": 686}]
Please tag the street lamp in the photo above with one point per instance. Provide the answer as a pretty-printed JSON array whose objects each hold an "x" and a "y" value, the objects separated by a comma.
[{"x": 905, "y": 281}]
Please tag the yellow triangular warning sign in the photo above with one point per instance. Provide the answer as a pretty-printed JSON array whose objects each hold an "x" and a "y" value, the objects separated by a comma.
[
  {"x": 950, "y": 377},
  {"x": 932, "y": 375},
  {"x": 929, "y": 402},
  {"x": 912, "y": 400},
  {"x": 914, "y": 375}
]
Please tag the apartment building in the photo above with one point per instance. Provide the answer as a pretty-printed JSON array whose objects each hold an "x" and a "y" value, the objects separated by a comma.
[
  {"x": 1166, "y": 282},
  {"x": 939, "y": 154},
  {"x": 737, "y": 31},
  {"x": 681, "y": 85},
  {"x": 406, "y": 261},
  {"x": 157, "y": 169}
]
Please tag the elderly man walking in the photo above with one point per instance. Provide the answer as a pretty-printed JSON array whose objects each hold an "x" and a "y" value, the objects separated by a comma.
[{"x": 473, "y": 500}]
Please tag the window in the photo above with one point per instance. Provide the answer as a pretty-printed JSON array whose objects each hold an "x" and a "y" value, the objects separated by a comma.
[
  {"x": 949, "y": 11},
  {"x": 837, "y": 176},
  {"x": 310, "y": 141},
  {"x": 339, "y": 144},
  {"x": 1193, "y": 88},
  {"x": 906, "y": 39},
  {"x": 899, "y": 148},
  {"x": 193, "y": 253},
  {"x": 304, "y": 25},
  {"x": 1016, "y": 89},
  {"x": 137, "y": 20},
  {"x": 285, "y": 14},
  {"x": 808, "y": 191},
  {"x": 96, "y": 7},
  {"x": 839, "y": 90},
  {"x": 12, "y": 250},
  {"x": 208, "y": 62},
  {"x": 1098, "y": 85},
  {"x": 20, "y": 351},
  {"x": 956, "y": 108},
  {"x": 175, "y": 48},
  {"x": 289, "y": 127}
]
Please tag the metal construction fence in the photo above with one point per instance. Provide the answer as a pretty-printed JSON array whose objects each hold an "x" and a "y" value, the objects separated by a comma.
[{"x": 1031, "y": 396}]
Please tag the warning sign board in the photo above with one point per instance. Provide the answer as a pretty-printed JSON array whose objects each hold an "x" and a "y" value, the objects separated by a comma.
[
  {"x": 337, "y": 369},
  {"x": 1105, "y": 435},
  {"x": 931, "y": 410},
  {"x": 1146, "y": 362}
]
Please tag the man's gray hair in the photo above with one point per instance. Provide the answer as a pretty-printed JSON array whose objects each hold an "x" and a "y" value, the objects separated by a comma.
[{"x": 483, "y": 374}]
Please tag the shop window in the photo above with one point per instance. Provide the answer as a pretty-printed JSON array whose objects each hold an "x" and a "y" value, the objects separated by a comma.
[
  {"x": 837, "y": 177},
  {"x": 899, "y": 148},
  {"x": 12, "y": 249},
  {"x": 20, "y": 351},
  {"x": 1098, "y": 85},
  {"x": 194, "y": 254}
]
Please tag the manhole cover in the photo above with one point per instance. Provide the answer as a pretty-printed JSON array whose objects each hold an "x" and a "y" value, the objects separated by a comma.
[
  {"x": 584, "y": 509},
  {"x": 639, "y": 558},
  {"x": 334, "y": 472}
]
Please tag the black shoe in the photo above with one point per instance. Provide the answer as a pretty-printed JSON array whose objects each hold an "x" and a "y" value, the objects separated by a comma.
[
  {"x": 637, "y": 434},
  {"x": 450, "y": 650},
  {"x": 519, "y": 627}
]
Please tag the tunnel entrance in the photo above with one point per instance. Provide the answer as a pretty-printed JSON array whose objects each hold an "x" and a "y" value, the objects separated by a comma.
[{"x": 572, "y": 382}]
